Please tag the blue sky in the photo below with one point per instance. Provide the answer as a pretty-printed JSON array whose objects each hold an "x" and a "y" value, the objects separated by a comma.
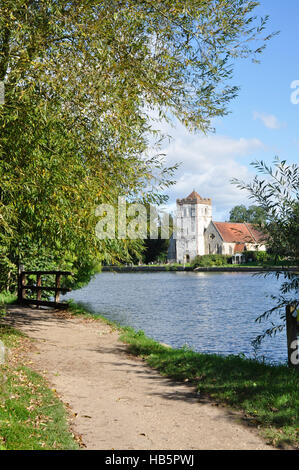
[{"x": 263, "y": 121}]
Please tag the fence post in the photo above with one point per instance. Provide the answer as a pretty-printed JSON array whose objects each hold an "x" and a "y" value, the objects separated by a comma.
[
  {"x": 23, "y": 283},
  {"x": 57, "y": 293},
  {"x": 39, "y": 287},
  {"x": 39, "y": 283},
  {"x": 292, "y": 339},
  {"x": 20, "y": 277},
  {"x": 19, "y": 285}
]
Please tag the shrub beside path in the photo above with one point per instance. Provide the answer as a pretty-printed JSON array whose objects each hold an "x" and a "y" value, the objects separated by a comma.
[{"x": 116, "y": 400}]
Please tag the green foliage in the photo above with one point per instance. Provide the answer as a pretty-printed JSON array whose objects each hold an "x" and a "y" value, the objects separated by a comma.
[
  {"x": 262, "y": 256},
  {"x": 253, "y": 214},
  {"x": 259, "y": 257},
  {"x": 210, "y": 260},
  {"x": 8, "y": 271},
  {"x": 155, "y": 250},
  {"x": 82, "y": 81},
  {"x": 6, "y": 298},
  {"x": 278, "y": 195}
]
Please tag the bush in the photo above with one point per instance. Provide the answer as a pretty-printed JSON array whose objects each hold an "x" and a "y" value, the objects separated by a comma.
[
  {"x": 210, "y": 260},
  {"x": 8, "y": 273},
  {"x": 259, "y": 257},
  {"x": 262, "y": 256}
]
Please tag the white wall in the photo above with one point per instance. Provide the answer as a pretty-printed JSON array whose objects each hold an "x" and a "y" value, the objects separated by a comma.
[{"x": 191, "y": 222}]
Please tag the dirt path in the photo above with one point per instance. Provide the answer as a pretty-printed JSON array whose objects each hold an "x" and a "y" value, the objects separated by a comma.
[{"x": 119, "y": 402}]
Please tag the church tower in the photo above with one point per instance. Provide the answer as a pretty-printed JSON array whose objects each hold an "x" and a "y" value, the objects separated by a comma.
[{"x": 193, "y": 216}]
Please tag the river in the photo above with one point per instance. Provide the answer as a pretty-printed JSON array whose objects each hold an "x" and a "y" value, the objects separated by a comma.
[{"x": 209, "y": 312}]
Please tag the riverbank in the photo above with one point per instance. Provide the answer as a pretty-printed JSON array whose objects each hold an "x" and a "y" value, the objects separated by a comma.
[
  {"x": 149, "y": 396},
  {"x": 167, "y": 268},
  {"x": 117, "y": 400},
  {"x": 267, "y": 395}
]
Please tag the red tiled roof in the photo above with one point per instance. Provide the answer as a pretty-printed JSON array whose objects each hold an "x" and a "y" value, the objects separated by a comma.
[
  {"x": 238, "y": 232},
  {"x": 239, "y": 247},
  {"x": 194, "y": 198},
  {"x": 257, "y": 235},
  {"x": 194, "y": 195}
]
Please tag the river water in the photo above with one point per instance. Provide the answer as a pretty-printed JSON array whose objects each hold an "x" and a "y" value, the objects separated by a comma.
[{"x": 209, "y": 312}]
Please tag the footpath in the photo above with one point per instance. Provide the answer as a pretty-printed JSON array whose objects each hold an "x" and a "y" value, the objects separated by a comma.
[{"x": 116, "y": 400}]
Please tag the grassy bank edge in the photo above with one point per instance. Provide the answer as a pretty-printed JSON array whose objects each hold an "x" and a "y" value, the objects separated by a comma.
[
  {"x": 32, "y": 417},
  {"x": 267, "y": 395}
]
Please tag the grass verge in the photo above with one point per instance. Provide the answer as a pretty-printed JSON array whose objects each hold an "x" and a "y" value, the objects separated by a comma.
[
  {"x": 268, "y": 395},
  {"x": 31, "y": 415},
  {"x": 5, "y": 299},
  {"x": 80, "y": 310}
]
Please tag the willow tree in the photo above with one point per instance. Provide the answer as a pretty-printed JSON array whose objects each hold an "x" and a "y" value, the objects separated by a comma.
[
  {"x": 82, "y": 80},
  {"x": 276, "y": 191}
]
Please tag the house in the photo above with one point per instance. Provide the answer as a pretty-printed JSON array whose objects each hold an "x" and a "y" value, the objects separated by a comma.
[{"x": 197, "y": 234}]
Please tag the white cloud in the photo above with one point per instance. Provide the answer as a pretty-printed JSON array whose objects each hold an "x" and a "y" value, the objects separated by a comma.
[
  {"x": 269, "y": 120},
  {"x": 208, "y": 165}
]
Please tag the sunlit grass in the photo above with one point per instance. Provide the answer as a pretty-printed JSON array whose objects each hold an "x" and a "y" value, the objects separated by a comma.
[
  {"x": 7, "y": 298},
  {"x": 268, "y": 395},
  {"x": 31, "y": 415}
]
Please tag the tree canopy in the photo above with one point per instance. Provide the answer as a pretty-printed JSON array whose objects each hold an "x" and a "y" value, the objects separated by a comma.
[
  {"x": 253, "y": 214},
  {"x": 81, "y": 82}
]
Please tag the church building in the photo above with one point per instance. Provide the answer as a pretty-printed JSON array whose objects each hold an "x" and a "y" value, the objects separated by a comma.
[{"x": 197, "y": 234}]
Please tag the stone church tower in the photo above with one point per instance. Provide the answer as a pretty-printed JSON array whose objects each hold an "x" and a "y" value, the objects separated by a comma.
[
  {"x": 194, "y": 214},
  {"x": 196, "y": 234}
]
